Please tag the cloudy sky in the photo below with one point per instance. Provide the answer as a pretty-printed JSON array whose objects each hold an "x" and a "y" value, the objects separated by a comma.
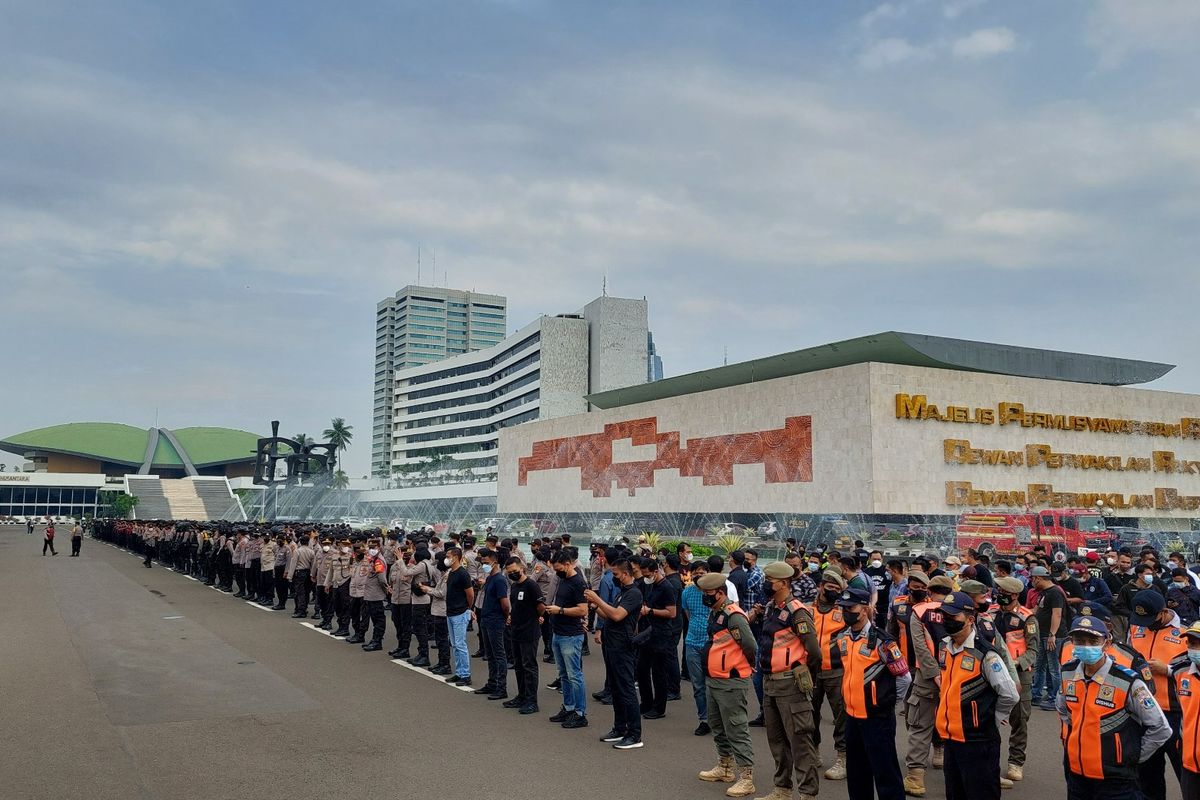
[{"x": 201, "y": 203}]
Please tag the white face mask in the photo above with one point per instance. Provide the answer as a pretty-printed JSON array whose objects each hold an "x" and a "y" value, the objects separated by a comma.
[
  {"x": 345, "y": 550},
  {"x": 374, "y": 551},
  {"x": 487, "y": 569},
  {"x": 325, "y": 548},
  {"x": 876, "y": 564}
]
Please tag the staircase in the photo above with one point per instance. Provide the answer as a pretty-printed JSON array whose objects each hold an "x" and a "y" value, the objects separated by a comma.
[{"x": 186, "y": 498}]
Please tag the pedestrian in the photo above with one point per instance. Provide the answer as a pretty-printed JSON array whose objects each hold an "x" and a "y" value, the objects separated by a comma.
[
  {"x": 977, "y": 694},
  {"x": 436, "y": 625},
  {"x": 321, "y": 596},
  {"x": 828, "y": 684},
  {"x": 526, "y": 606},
  {"x": 29, "y": 526},
  {"x": 694, "y": 642},
  {"x": 661, "y": 604},
  {"x": 1155, "y": 632},
  {"x": 299, "y": 568},
  {"x": 620, "y": 655},
  {"x": 1052, "y": 619},
  {"x": 283, "y": 552},
  {"x": 240, "y": 548},
  {"x": 460, "y": 598},
  {"x": 76, "y": 538},
  {"x": 1110, "y": 720},
  {"x": 1185, "y": 684},
  {"x": 337, "y": 585},
  {"x": 875, "y": 681},
  {"x": 789, "y": 654},
  {"x": 1018, "y": 627},
  {"x": 569, "y": 612},
  {"x": 401, "y": 599},
  {"x": 493, "y": 615},
  {"x": 608, "y": 591},
  {"x": 731, "y": 651},
  {"x": 48, "y": 541}
]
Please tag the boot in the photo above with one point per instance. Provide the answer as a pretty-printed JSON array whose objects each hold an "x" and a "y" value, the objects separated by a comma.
[
  {"x": 914, "y": 783},
  {"x": 838, "y": 771},
  {"x": 1005, "y": 783},
  {"x": 1015, "y": 772},
  {"x": 778, "y": 793},
  {"x": 745, "y": 784},
  {"x": 722, "y": 772},
  {"x": 939, "y": 756}
]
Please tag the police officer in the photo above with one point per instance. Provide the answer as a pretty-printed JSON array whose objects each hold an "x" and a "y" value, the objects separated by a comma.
[
  {"x": 1155, "y": 632},
  {"x": 1185, "y": 684},
  {"x": 375, "y": 591},
  {"x": 1112, "y": 722},
  {"x": 728, "y": 657},
  {"x": 299, "y": 568},
  {"x": 337, "y": 588},
  {"x": 875, "y": 681},
  {"x": 266, "y": 570},
  {"x": 789, "y": 654},
  {"x": 828, "y": 685},
  {"x": 900, "y": 614},
  {"x": 927, "y": 635},
  {"x": 1018, "y": 628},
  {"x": 977, "y": 694},
  {"x": 320, "y": 595}
]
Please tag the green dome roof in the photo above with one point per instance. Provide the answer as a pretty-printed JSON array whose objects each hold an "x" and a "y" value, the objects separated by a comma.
[{"x": 125, "y": 444}]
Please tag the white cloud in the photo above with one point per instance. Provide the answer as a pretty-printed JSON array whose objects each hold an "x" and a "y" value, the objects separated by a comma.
[
  {"x": 1026, "y": 222},
  {"x": 984, "y": 43},
  {"x": 883, "y": 13},
  {"x": 886, "y": 52},
  {"x": 1119, "y": 28},
  {"x": 953, "y": 9}
]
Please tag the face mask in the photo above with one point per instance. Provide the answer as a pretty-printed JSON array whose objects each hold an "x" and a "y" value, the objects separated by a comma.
[
  {"x": 559, "y": 573},
  {"x": 876, "y": 564},
  {"x": 918, "y": 594},
  {"x": 1179, "y": 584},
  {"x": 513, "y": 576},
  {"x": 709, "y": 600},
  {"x": 953, "y": 626},
  {"x": 1194, "y": 657},
  {"x": 647, "y": 580},
  {"x": 687, "y": 558},
  {"x": 813, "y": 567},
  {"x": 851, "y": 617},
  {"x": 325, "y": 548},
  {"x": 374, "y": 551},
  {"x": 1004, "y": 599},
  {"x": 952, "y": 571},
  {"x": 443, "y": 564},
  {"x": 1110, "y": 561},
  {"x": 487, "y": 569},
  {"x": 1148, "y": 579},
  {"x": 830, "y": 595},
  {"x": 345, "y": 550},
  {"x": 1089, "y": 653}
]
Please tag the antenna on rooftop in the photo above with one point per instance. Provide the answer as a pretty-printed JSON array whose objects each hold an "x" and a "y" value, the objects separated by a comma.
[
  {"x": 727, "y": 355},
  {"x": 604, "y": 286}
]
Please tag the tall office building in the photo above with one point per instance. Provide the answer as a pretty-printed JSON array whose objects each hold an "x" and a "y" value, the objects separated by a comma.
[
  {"x": 654, "y": 365},
  {"x": 418, "y": 326}
]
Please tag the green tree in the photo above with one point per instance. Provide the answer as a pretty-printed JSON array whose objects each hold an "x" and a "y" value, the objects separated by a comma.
[
  {"x": 3, "y": 467},
  {"x": 339, "y": 434},
  {"x": 341, "y": 480},
  {"x": 119, "y": 503}
]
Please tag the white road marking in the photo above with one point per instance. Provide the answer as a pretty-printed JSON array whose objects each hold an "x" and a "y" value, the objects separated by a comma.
[
  {"x": 256, "y": 605},
  {"x": 176, "y": 617},
  {"x": 428, "y": 674},
  {"x": 312, "y": 627}
]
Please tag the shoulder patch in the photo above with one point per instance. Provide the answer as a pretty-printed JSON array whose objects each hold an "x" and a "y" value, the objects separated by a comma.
[
  {"x": 997, "y": 666},
  {"x": 1031, "y": 628},
  {"x": 737, "y": 634},
  {"x": 802, "y": 628}
]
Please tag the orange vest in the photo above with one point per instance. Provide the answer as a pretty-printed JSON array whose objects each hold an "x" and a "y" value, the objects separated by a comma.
[
  {"x": 1102, "y": 740},
  {"x": 1014, "y": 638},
  {"x": 829, "y": 625},
  {"x": 868, "y": 685},
  {"x": 1187, "y": 688},
  {"x": 967, "y": 708},
  {"x": 901, "y": 611},
  {"x": 726, "y": 659},
  {"x": 1164, "y": 644},
  {"x": 784, "y": 649}
]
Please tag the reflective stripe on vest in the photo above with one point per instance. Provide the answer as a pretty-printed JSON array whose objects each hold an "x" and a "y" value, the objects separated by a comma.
[
  {"x": 784, "y": 648},
  {"x": 967, "y": 709},
  {"x": 726, "y": 659},
  {"x": 1161, "y": 645},
  {"x": 829, "y": 625},
  {"x": 1103, "y": 740},
  {"x": 868, "y": 686}
]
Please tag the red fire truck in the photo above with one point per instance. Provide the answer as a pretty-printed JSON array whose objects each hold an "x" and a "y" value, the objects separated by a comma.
[{"x": 1070, "y": 530}]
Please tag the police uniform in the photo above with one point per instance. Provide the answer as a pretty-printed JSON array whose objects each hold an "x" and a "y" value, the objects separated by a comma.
[
  {"x": 320, "y": 594},
  {"x": 374, "y": 593},
  {"x": 977, "y": 693},
  {"x": 299, "y": 569},
  {"x": 827, "y": 685},
  {"x": 927, "y": 633},
  {"x": 1184, "y": 683},
  {"x": 337, "y": 588},
  {"x": 789, "y": 654},
  {"x": 1018, "y": 629},
  {"x": 1163, "y": 644},
  {"x": 875, "y": 680},
  {"x": 1111, "y": 724}
]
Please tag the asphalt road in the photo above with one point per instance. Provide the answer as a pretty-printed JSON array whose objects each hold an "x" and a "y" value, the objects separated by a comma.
[{"x": 124, "y": 682}]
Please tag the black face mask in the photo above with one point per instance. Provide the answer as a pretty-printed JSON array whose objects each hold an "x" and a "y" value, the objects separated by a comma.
[
  {"x": 851, "y": 617},
  {"x": 513, "y": 576},
  {"x": 953, "y": 626},
  {"x": 1004, "y": 599},
  {"x": 830, "y": 595},
  {"x": 918, "y": 594},
  {"x": 709, "y": 600},
  {"x": 560, "y": 573}
]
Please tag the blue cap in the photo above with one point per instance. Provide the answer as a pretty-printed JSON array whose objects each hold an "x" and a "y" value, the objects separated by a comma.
[
  {"x": 958, "y": 603},
  {"x": 854, "y": 596},
  {"x": 1095, "y": 611},
  {"x": 1090, "y": 625},
  {"x": 1146, "y": 605}
]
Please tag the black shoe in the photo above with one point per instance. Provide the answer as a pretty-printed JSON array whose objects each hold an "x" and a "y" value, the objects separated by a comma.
[
  {"x": 453, "y": 679},
  {"x": 672, "y": 697},
  {"x": 240, "y": 596},
  {"x": 555, "y": 684},
  {"x": 587, "y": 652},
  {"x": 315, "y": 616},
  {"x": 758, "y": 722},
  {"x": 511, "y": 666},
  {"x": 395, "y": 654},
  {"x": 440, "y": 670},
  {"x": 613, "y": 736},
  {"x": 561, "y": 715},
  {"x": 299, "y": 615},
  {"x": 279, "y": 608},
  {"x": 485, "y": 689},
  {"x": 356, "y": 639},
  {"x": 529, "y": 709},
  {"x": 628, "y": 743},
  {"x": 464, "y": 682},
  {"x": 325, "y": 626},
  {"x": 606, "y": 701},
  {"x": 497, "y": 695},
  {"x": 371, "y": 647},
  {"x": 516, "y": 702},
  {"x": 702, "y": 729},
  {"x": 547, "y": 659},
  {"x": 575, "y": 721},
  {"x": 652, "y": 714},
  {"x": 340, "y": 632},
  {"x": 477, "y": 654},
  {"x": 600, "y": 695},
  {"x": 420, "y": 661}
]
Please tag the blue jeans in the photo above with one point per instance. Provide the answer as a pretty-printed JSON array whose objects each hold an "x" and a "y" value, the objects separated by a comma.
[
  {"x": 1047, "y": 679},
  {"x": 458, "y": 642},
  {"x": 568, "y": 656},
  {"x": 694, "y": 656}
]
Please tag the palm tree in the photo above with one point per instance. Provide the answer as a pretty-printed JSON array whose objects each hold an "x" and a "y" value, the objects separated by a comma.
[
  {"x": 303, "y": 439},
  {"x": 340, "y": 480},
  {"x": 339, "y": 434}
]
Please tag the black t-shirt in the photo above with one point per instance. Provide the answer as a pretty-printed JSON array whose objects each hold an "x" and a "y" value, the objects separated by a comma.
[
  {"x": 524, "y": 598},
  {"x": 619, "y": 635},
  {"x": 568, "y": 595},
  {"x": 457, "y": 584},
  {"x": 677, "y": 584},
  {"x": 659, "y": 596},
  {"x": 1049, "y": 600},
  {"x": 1071, "y": 588},
  {"x": 984, "y": 576}
]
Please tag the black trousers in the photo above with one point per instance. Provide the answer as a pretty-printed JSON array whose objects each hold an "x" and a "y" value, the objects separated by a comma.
[
  {"x": 441, "y": 634},
  {"x": 239, "y": 577},
  {"x": 621, "y": 663},
  {"x": 525, "y": 658},
  {"x": 49, "y": 543},
  {"x": 402, "y": 622},
  {"x": 420, "y": 628},
  {"x": 1080, "y": 788},
  {"x": 252, "y": 570},
  {"x": 148, "y": 552},
  {"x": 373, "y": 610},
  {"x": 341, "y": 605},
  {"x": 358, "y": 616},
  {"x": 497, "y": 658},
  {"x": 225, "y": 569},
  {"x": 1189, "y": 785},
  {"x": 266, "y": 585},
  {"x": 324, "y": 599},
  {"x": 872, "y": 767},
  {"x": 673, "y": 667},
  {"x": 300, "y": 589},
  {"x": 1151, "y": 773},
  {"x": 76, "y": 541},
  {"x": 652, "y": 675},
  {"x": 547, "y": 635},
  {"x": 972, "y": 770},
  {"x": 281, "y": 586}
]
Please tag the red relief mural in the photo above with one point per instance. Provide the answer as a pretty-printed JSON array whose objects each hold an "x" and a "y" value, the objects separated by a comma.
[{"x": 785, "y": 453}]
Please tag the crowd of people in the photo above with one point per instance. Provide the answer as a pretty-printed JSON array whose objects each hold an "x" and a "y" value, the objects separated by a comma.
[{"x": 958, "y": 648}]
